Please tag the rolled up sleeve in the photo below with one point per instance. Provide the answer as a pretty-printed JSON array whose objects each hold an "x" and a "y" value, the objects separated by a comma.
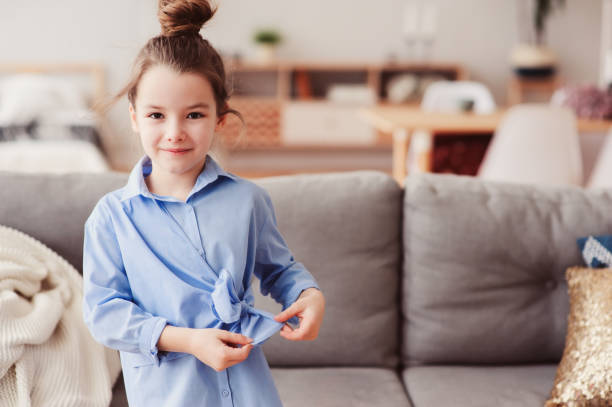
[{"x": 109, "y": 311}]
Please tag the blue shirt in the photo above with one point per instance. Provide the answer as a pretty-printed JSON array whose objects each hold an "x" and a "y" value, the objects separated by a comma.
[{"x": 151, "y": 260}]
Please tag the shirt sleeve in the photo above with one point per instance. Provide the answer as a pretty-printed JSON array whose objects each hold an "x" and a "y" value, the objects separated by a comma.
[
  {"x": 108, "y": 309},
  {"x": 280, "y": 275}
]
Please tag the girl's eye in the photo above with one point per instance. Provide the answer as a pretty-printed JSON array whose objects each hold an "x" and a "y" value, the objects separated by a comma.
[
  {"x": 195, "y": 115},
  {"x": 155, "y": 115}
]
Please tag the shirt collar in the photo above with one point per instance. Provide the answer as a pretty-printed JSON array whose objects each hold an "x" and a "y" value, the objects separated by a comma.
[{"x": 136, "y": 182}]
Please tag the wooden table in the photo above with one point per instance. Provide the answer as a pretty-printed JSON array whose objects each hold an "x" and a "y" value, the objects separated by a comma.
[{"x": 402, "y": 121}]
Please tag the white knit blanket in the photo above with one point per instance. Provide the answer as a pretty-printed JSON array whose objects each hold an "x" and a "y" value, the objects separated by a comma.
[{"x": 47, "y": 356}]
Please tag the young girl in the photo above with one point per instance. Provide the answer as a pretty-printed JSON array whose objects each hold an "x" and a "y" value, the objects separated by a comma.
[{"x": 169, "y": 258}]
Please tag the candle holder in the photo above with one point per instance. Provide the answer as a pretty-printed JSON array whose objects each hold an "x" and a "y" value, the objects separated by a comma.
[{"x": 419, "y": 29}]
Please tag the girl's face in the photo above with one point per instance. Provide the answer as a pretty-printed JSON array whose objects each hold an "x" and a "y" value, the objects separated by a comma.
[{"x": 176, "y": 117}]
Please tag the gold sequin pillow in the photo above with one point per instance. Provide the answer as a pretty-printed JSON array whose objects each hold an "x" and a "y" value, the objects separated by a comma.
[{"x": 584, "y": 376}]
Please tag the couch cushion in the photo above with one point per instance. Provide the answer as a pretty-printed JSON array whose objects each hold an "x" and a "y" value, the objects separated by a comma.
[
  {"x": 484, "y": 270},
  {"x": 53, "y": 208},
  {"x": 331, "y": 387},
  {"x": 461, "y": 386},
  {"x": 345, "y": 228},
  {"x": 323, "y": 387}
]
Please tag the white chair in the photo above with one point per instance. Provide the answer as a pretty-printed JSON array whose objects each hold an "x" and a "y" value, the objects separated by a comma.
[
  {"x": 535, "y": 144},
  {"x": 601, "y": 176},
  {"x": 446, "y": 96}
]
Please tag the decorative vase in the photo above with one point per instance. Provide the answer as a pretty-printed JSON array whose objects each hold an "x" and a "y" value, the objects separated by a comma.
[
  {"x": 533, "y": 61},
  {"x": 266, "y": 53}
]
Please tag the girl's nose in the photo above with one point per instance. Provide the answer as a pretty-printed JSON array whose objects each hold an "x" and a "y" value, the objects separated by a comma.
[{"x": 175, "y": 132}]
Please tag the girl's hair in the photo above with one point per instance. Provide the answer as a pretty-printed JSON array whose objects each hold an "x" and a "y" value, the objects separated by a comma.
[{"x": 181, "y": 48}]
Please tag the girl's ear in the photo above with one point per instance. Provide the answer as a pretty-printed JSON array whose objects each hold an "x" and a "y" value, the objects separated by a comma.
[
  {"x": 220, "y": 122},
  {"x": 133, "y": 118}
]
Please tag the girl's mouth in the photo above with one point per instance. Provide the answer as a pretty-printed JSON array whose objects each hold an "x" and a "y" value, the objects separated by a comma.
[{"x": 176, "y": 151}]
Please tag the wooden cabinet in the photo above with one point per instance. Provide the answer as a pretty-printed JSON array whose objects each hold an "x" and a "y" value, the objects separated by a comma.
[
  {"x": 324, "y": 124},
  {"x": 291, "y": 105},
  {"x": 272, "y": 99}
]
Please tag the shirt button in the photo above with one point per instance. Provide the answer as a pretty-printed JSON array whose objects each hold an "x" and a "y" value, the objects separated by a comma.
[{"x": 225, "y": 393}]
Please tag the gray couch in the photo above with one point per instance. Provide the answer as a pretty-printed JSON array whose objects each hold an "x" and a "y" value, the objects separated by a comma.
[{"x": 448, "y": 293}]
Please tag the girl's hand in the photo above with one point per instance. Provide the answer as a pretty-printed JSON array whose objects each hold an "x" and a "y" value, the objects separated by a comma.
[
  {"x": 218, "y": 348},
  {"x": 309, "y": 308}
]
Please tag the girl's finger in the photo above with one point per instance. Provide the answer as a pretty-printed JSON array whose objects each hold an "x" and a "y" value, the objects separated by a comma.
[
  {"x": 301, "y": 333},
  {"x": 289, "y": 312},
  {"x": 233, "y": 337},
  {"x": 237, "y": 355},
  {"x": 291, "y": 335},
  {"x": 295, "y": 335}
]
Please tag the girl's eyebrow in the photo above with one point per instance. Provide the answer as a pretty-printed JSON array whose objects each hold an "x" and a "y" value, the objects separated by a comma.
[{"x": 202, "y": 105}]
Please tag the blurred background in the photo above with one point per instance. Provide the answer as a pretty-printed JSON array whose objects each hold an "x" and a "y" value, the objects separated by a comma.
[{"x": 324, "y": 85}]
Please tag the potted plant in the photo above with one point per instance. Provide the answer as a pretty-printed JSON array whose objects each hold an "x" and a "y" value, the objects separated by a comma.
[
  {"x": 532, "y": 57},
  {"x": 267, "y": 41}
]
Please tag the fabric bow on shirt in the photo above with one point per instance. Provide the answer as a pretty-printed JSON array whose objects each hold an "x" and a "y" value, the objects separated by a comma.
[{"x": 242, "y": 317}]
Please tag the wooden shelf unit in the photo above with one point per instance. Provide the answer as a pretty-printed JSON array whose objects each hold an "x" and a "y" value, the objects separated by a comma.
[
  {"x": 282, "y": 80},
  {"x": 263, "y": 92}
]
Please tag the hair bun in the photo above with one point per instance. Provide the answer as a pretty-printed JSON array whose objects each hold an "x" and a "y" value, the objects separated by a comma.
[{"x": 183, "y": 16}]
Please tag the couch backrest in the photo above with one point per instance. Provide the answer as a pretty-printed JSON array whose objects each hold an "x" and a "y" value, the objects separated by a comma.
[
  {"x": 344, "y": 227},
  {"x": 484, "y": 267},
  {"x": 53, "y": 208}
]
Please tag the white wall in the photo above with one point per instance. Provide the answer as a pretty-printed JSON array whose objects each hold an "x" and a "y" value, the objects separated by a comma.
[{"x": 477, "y": 33}]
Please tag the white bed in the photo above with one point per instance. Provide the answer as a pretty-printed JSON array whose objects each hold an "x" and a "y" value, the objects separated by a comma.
[{"x": 47, "y": 122}]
